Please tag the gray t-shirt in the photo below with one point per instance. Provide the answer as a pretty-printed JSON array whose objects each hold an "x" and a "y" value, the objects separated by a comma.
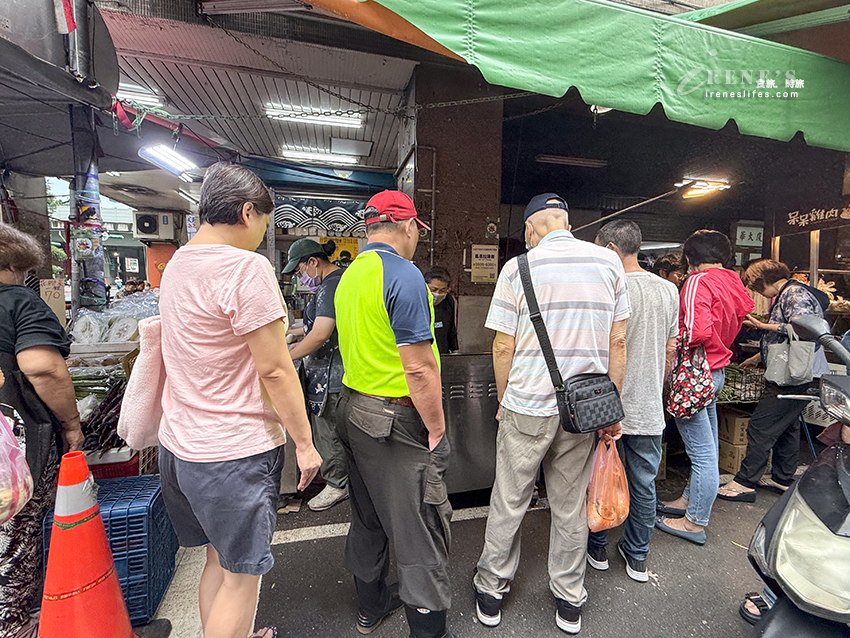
[{"x": 654, "y": 320}]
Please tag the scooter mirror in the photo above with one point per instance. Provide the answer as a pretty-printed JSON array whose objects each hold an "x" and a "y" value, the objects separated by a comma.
[{"x": 810, "y": 328}]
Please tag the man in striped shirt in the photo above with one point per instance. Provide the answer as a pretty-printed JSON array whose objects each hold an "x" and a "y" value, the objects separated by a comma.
[{"x": 583, "y": 297}]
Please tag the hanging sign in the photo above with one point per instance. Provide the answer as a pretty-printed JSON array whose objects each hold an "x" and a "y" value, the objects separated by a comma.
[
  {"x": 485, "y": 264},
  {"x": 53, "y": 293},
  {"x": 326, "y": 216},
  {"x": 804, "y": 220}
]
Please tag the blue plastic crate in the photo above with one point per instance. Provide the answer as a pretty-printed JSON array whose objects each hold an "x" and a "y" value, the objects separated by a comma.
[{"x": 141, "y": 537}]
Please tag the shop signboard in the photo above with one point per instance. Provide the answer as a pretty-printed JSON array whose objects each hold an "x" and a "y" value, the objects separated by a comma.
[
  {"x": 131, "y": 264},
  {"x": 350, "y": 244},
  {"x": 485, "y": 263},
  {"x": 326, "y": 216},
  {"x": 806, "y": 219}
]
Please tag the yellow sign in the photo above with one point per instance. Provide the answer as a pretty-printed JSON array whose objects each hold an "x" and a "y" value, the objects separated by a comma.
[
  {"x": 53, "y": 293},
  {"x": 342, "y": 244}
]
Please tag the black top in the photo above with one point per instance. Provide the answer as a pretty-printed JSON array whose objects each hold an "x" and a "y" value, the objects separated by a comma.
[
  {"x": 26, "y": 321},
  {"x": 445, "y": 329},
  {"x": 324, "y": 367}
]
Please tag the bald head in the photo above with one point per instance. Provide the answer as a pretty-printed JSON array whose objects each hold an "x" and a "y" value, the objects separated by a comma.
[{"x": 544, "y": 222}]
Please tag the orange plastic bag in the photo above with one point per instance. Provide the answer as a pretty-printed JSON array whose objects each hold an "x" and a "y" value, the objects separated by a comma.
[{"x": 608, "y": 492}]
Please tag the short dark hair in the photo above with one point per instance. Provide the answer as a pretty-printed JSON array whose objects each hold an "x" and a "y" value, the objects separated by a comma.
[
  {"x": 381, "y": 227},
  {"x": 624, "y": 234},
  {"x": 671, "y": 262},
  {"x": 707, "y": 247},
  {"x": 437, "y": 272},
  {"x": 18, "y": 250},
  {"x": 226, "y": 188},
  {"x": 763, "y": 272}
]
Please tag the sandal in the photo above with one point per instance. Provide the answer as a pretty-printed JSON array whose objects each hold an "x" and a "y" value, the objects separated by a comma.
[
  {"x": 736, "y": 496},
  {"x": 756, "y": 599},
  {"x": 773, "y": 486},
  {"x": 264, "y": 633}
]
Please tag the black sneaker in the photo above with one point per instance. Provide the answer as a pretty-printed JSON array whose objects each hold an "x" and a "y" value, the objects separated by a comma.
[
  {"x": 568, "y": 617},
  {"x": 366, "y": 625},
  {"x": 488, "y": 609},
  {"x": 597, "y": 557},
  {"x": 635, "y": 567}
]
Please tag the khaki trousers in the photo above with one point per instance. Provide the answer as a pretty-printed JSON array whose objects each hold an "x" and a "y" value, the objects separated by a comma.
[{"x": 522, "y": 444}]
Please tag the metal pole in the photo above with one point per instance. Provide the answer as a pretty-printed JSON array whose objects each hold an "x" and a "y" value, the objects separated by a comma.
[
  {"x": 433, "y": 193},
  {"x": 85, "y": 214},
  {"x": 626, "y": 210},
  {"x": 814, "y": 258}
]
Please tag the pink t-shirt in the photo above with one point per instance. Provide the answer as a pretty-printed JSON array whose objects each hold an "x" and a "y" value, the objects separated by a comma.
[{"x": 214, "y": 405}]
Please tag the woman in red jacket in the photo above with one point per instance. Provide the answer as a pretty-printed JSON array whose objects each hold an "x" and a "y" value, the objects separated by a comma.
[{"x": 712, "y": 308}]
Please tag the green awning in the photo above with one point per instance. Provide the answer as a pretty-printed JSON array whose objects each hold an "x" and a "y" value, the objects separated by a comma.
[{"x": 631, "y": 59}]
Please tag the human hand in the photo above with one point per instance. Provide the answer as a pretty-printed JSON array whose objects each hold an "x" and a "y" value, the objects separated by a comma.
[
  {"x": 752, "y": 362},
  {"x": 499, "y": 413},
  {"x": 2, "y": 379},
  {"x": 309, "y": 463},
  {"x": 434, "y": 439},
  {"x": 752, "y": 322},
  {"x": 73, "y": 439},
  {"x": 612, "y": 432}
]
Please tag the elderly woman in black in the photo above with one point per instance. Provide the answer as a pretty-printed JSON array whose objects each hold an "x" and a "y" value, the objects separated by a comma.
[{"x": 37, "y": 385}]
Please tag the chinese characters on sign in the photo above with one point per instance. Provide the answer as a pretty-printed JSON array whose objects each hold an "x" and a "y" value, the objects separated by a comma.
[
  {"x": 749, "y": 236},
  {"x": 485, "y": 264},
  {"x": 796, "y": 218},
  {"x": 53, "y": 293},
  {"x": 131, "y": 264}
]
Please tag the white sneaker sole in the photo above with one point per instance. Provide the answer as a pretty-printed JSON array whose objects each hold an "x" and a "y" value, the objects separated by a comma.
[
  {"x": 487, "y": 621},
  {"x": 321, "y": 507},
  {"x": 597, "y": 565},
  {"x": 641, "y": 577},
  {"x": 566, "y": 626}
]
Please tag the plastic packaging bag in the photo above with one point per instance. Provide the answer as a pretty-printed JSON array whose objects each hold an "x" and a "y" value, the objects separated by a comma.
[
  {"x": 15, "y": 478},
  {"x": 608, "y": 492}
]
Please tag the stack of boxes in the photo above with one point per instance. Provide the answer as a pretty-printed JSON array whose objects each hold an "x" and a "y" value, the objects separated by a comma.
[{"x": 732, "y": 432}]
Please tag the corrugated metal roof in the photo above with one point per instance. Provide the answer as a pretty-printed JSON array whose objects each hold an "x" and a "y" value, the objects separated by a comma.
[{"x": 203, "y": 71}]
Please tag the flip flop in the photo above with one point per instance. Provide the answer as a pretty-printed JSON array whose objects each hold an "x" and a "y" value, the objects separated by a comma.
[
  {"x": 773, "y": 486},
  {"x": 675, "y": 512},
  {"x": 737, "y": 496},
  {"x": 697, "y": 538},
  {"x": 760, "y": 604},
  {"x": 263, "y": 633}
]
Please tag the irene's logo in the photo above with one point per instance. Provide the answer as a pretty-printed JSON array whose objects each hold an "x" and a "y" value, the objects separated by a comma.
[{"x": 738, "y": 82}]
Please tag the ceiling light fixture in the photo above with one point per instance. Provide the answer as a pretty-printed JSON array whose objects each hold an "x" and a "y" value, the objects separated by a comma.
[
  {"x": 583, "y": 162},
  {"x": 139, "y": 97},
  {"x": 320, "y": 157},
  {"x": 113, "y": 173},
  {"x": 186, "y": 196},
  {"x": 296, "y": 114},
  {"x": 169, "y": 160},
  {"x": 701, "y": 187}
]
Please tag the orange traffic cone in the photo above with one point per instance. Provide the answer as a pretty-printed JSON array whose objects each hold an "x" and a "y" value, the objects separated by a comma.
[{"x": 82, "y": 595}]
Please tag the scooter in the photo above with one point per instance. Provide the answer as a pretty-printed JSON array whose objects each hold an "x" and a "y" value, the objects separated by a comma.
[{"x": 801, "y": 548}]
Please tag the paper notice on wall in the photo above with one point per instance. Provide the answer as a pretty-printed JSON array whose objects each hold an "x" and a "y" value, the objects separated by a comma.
[
  {"x": 191, "y": 225},
  {"x": 485, "y": 264},
  {"x": 131, "y": 264},
  {"x": 53, "y": 293}
]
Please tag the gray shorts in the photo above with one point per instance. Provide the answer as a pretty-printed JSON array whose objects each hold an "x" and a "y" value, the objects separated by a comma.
[{"x": 230, "y": 504}]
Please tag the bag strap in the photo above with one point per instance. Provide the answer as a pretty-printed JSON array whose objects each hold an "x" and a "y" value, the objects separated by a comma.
[{"x": 537, "y": 322}]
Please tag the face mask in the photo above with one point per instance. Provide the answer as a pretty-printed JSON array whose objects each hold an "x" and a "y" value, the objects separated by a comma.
[
  {"x": 438, "y": 298},
  {"x": 310, "y": 283}
]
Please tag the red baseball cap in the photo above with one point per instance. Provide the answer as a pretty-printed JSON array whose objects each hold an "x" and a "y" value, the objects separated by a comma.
[{"x": 391, "y": 206}]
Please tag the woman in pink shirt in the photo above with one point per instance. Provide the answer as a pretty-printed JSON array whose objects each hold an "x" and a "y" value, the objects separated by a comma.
[{"x": 230, "y": 391}]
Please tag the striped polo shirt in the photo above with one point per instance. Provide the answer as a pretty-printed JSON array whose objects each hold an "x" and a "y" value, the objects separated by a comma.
[{"x": 581, "y": 289}]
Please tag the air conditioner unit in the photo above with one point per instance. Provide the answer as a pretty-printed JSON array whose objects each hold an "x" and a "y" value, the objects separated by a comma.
[{"x": 153, "y": 226}]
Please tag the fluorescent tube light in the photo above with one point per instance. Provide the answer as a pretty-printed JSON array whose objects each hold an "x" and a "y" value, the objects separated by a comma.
[
  {"x": 295, "y": 114},
  {"x": 139, "y": 97},
  {"x": 583, "y": 162},
  {"x": 320, "y": 157},
  {"x": 113, "y": 173},
  {"x": 168, "y": 159},
  {"x": 186, "y": 196}
]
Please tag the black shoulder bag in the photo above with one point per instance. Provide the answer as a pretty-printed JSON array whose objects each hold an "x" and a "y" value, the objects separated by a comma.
[{"x": 586, "y": 402}]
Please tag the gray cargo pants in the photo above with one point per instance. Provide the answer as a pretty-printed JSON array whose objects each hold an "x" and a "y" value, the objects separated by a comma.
[
  {"x": 522, "y": 443},
  {"x": 397, "y": 496},
  {"x": 327, "y": 443}
]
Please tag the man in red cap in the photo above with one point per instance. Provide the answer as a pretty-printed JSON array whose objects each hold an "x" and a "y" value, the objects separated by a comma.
[{"x": 392, "y": 426}]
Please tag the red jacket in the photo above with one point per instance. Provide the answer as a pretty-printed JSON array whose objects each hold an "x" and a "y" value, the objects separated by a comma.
[{"x": 712, "y": 308}]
